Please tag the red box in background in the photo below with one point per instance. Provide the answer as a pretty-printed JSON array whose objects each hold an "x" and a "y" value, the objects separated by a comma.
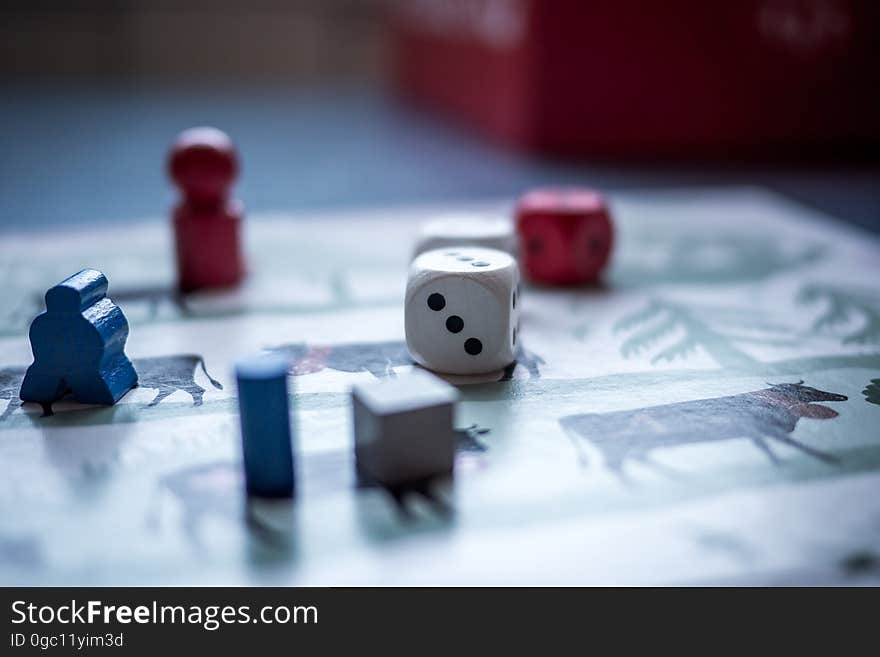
[{"x": 624, "y": 77}]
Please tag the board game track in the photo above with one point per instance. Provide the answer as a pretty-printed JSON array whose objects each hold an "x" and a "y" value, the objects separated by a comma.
[
  {"x": 722, "y": 318},
  {"x": 516, "y": 390},
  {"x": 673, "y": 488},
  {"x": 793, "y": 467}
]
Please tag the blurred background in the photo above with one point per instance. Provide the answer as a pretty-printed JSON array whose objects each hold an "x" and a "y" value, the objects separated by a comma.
[{"x": 346, "y": 103}]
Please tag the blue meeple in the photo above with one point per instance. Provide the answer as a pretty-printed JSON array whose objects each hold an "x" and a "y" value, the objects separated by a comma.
[{"x": 79, "y": 345}]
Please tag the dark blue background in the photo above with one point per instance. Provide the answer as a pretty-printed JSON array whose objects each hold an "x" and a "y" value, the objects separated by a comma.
[{"x": 73, "y": 153}]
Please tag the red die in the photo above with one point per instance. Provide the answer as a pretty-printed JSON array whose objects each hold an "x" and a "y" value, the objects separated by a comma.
[
  {"x": 565, "y": 235},
  {"x": 203, "y": 164}
]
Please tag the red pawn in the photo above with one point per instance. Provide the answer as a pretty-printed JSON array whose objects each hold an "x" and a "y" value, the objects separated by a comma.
[
  {"x": 203, "y": 164},
  {"x": 565, "y": 235}
]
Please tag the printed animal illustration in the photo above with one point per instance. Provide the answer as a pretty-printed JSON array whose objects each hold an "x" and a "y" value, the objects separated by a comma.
[
  {"x": 168, "y": 374},
  {"x": 205, "y": 490},
  {"x": 468, "y": 438},
  {"x": 761, "y": 416},
  {"x": 10, "y": 383},
  {"x": 165, "y": 374},
  {"x": 377, "y": 358},
  {"x": 212, "y": 489}
]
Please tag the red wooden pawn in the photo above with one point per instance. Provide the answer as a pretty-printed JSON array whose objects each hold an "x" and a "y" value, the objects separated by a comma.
[{"x": 203, "y": 164}]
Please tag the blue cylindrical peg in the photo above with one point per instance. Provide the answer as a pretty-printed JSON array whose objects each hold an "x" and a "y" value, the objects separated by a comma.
[{"x": 265, "y": 425}]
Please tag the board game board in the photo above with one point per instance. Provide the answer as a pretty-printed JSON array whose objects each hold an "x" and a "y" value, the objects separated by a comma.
[{"x": 709, "y": 415}]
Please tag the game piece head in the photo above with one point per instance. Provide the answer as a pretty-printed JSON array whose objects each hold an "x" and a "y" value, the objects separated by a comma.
[
  {"x": 78, "y": 292},
  {"x": 461, "y": 310},
  {"x": 416, "y": 389},
  {"x": 565, "y": 235},
  {"x": 203, "y": 163},
  {"x": 264, "y": 366},
  {"x": 561, "y": 200}
]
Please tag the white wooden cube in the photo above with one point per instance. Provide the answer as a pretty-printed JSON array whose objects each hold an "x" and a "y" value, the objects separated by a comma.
[
  {"x": 403, "y": 428},
  {"x": 466, "y": 230},
  {"x": 461, "y": 313}
]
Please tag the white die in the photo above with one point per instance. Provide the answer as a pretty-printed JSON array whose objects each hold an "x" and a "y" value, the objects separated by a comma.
[
  {"x": 462, "y": 310},
  {"x": 455, "y": 230}
]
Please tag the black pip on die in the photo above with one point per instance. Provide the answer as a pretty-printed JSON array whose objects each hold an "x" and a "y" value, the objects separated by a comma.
[{"x": 462, "y": 310}]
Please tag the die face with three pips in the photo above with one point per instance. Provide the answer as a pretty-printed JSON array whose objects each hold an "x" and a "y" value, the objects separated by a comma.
[
  {"x": 462, "y": 310},
  {"x": 565, "y": 235}
]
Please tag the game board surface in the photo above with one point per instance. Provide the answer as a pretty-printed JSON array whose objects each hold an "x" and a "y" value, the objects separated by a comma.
[{"x": 709, "y": 415}]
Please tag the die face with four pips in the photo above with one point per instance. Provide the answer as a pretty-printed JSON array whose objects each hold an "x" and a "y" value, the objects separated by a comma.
[{"x": 462, "y": 310}]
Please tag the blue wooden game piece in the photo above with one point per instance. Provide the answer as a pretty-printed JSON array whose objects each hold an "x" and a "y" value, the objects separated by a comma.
[
  {"x": 78, "y": 345},
  {"x": 265, "y": 425}
]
